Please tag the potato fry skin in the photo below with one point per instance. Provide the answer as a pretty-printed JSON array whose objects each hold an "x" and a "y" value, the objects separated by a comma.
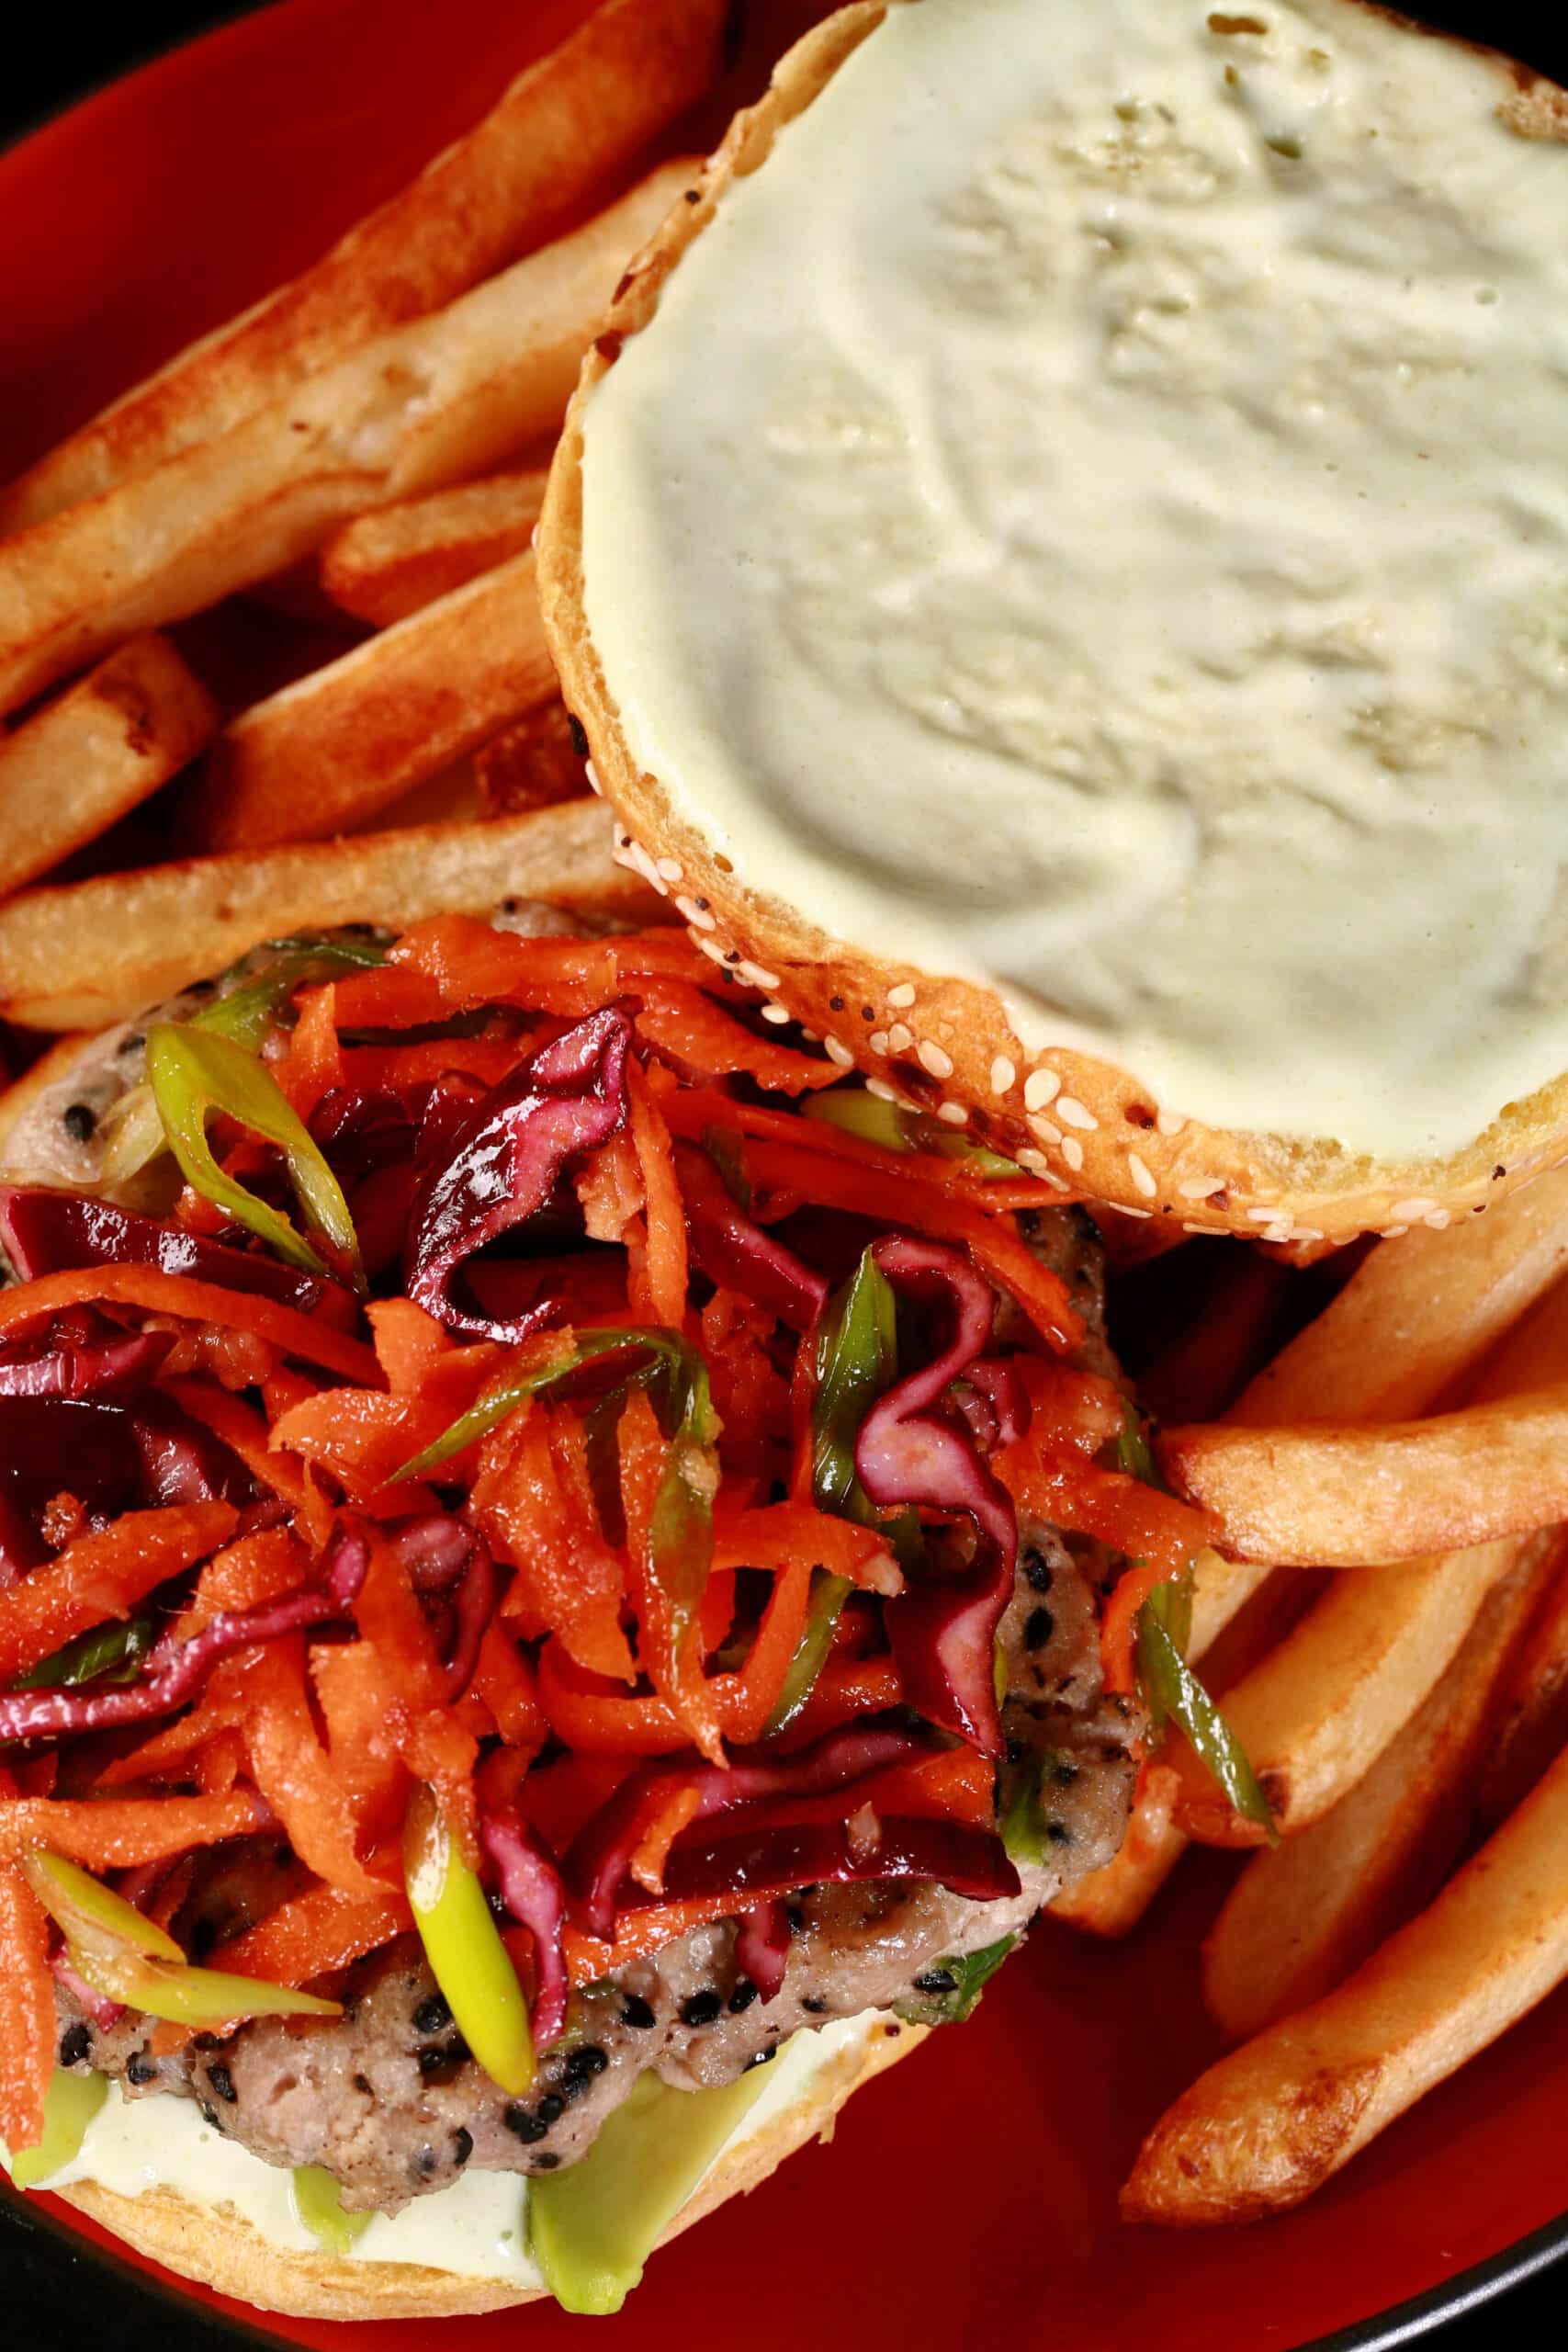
[
  {"x": 1262, "y": 2130},
  {"x": 391, "y": 563}
]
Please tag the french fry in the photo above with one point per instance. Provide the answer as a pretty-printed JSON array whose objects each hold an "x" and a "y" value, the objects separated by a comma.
[
  {"x": 1417, "y": 1314},
  {"x": 1316, "y": 1713},
  {"x": 1341, "y": 1495},
  {"x": 1532, "y": 1710},
  {"x": 556, "y": 139},
  {"x": 428, "y": 404},
  {"x": 348, "y": 739},
  {"x": 96, "y": 751},
  {"x": 531, "y": 766},
  {"x": 84, "y": 956},
  {"x": 1322, "y": 1708},
  {"x": 1262, "y": 2130},
  {"x": 391, "y": 563},
  {"x": 1301, "y": 1918}
]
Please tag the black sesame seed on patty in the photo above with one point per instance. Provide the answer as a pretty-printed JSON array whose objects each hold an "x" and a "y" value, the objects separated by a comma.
[
  {"x": 434, "y": 2014},
  {"x": 814, "y": 2005},
  {"x": 637, "y": 2013},
  {"x": 426, "y": 2164},
  {"x": 585, "y": 2062},
  {"x": 551, "y": 2109},
  {"x": 1037, "y": 1573},
  {"x": 75, "y": 2044},
  {"x": 936, "y": 1979},
  {"x": 462, "y": 2144},
  {"x": 222, "y": 2082},
  {"x": 701, "y": 2008},
  {"x": 744, "y": 1993},
  {"x": 80, "y": 1121},
  {"x": 139, "y": 2069},
  {"x": 1058, "y": 1833},
  {"x": 761, "y": 2059},
  {"x": 528, "y": 2127},
  {"x": 364, "y": 2086},
  {"x": 579, "y": 734},
  {"x": 1039, "y": 1626},
  {"x": 547, "y": 2162},
  {"x": 208, "y": 2113}
]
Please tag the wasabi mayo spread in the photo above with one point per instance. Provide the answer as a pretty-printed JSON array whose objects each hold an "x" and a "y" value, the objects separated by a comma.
[
  {"x": 477, "y": 2228},
  {"x": 1090, "y": 516}
]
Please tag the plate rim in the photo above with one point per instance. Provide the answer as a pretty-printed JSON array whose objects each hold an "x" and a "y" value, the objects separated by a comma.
[{"x": 1399, "y": 2324}]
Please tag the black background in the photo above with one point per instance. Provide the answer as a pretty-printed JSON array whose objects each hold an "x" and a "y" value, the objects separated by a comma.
[{"x": 54, "y": 2295}]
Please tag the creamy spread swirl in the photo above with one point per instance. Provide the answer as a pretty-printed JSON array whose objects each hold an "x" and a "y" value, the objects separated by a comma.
[{"x": 1089, "y": 516}]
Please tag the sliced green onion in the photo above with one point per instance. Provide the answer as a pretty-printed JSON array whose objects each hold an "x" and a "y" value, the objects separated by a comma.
[
  {"x": 725, "y": 1149},
  {"x": 971, "y": 1973},
  {"x": 680, "y": 1366},
  {"x": 112, "y": 1652},
  {"x": 193, "y": 1073},
  {"x": 319, "y": 2208},
  {"x": 463, "y": 1946},
  {"x": 680, "y": 1530},
  {"x": 896, "y": 1128},
  {"x": 70, "y": 2104},
  {"x": 1168, "y": 1681},
  {"x": 126, "y": 1957},
  {"x": 857, "y": 1360}
]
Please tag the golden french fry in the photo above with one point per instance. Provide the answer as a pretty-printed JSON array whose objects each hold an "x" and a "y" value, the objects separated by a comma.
[
  {"x": 1339, "y": 1495},
  {"x": 95, "y": 951},
  {"x": 1320, "y": 1709},
  {"x": 391, "y": 563},
  {"x": 96, "y": 751},
  {"x": 559, "y": 136},
  {"x": 1415, "y": 1317},
  {"x": 348, "y": 739},
  {"x": 1301, "y": 1918},
  {"x": 534, "y": 764},
  {"x": 1532, "y": 1710},
  {"x": 1268, "y": 2125},
  {"x": 428, "y": 404}
]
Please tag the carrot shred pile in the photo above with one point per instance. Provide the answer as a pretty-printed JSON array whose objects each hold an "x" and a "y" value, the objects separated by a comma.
[{"x": 561, "y": 1456}]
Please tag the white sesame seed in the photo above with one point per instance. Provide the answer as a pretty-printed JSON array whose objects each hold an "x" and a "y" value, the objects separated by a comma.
[
  {"x": 1263, "y": 1217},
  {"x": 1073, "y": 1113},
  {"x": 698, "y": 917},
  {"x": 712, "y": 948},
  {"x": 904, "y": 994},
  {"x": 1002, "y": 1075},
  {"x": 933, "y": 1059},
  {"x": 901, "y": 1039},
  {"x": 1141, "y": 1177},
  {"x": 838, "y": 1053},
  {"x": 1188, "y": 1226},
  {"x": 1122, "y": 1209},
  {"x": 775, "y": 1013},
  {"x": 756, "y": 975},
  {"x": 877, "y": 1041},
  {"x": 954, "y": 1113},
  {"x": 1198, "y": 1188},
  {"x": 1278, "y": 1233},
  {"x": 1072, "y": 1152},
  {"x": 1408, "y": 1211},
  {"x": 591, "y": 772},
  {"x": 1438, "y": 1222},
  {"x": 672, "y": 868},
  {"x": 1042, "y": 1086},
  {"x": 1393, "y": 1232},
  {"x": 880, "y": 1088},
  {"x": 1035, "y": 1161},
  {"x": 1168, "y": 1123},
  {"x": 1046, "y": 1129}
]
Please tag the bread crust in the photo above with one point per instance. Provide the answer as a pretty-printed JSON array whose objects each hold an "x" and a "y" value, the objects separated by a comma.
[
  {"x": 941, "y": 1043},
  {"x": 218, "y": 2247}
]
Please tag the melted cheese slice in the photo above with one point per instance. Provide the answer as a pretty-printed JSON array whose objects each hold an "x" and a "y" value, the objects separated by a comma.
[{"x": 1090, "y": 516}]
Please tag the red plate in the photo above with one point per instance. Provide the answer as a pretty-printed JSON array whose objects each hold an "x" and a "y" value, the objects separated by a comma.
[{"x": 970, "y": 2197}]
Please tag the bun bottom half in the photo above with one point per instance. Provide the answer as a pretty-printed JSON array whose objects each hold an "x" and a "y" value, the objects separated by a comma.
[{"x": 217, "y": 2247}]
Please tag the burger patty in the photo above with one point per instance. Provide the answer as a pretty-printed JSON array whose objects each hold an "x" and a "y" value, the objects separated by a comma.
[{"x": 389, "y": 2101}]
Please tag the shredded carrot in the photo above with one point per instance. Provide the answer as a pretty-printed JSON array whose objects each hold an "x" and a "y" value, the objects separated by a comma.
[
  {"x": 657, "y": 1286},
  {"x": 244, "y": 1432},
  {"x": 193, "y": 1302},
  {"x": 676, "y": 1812},
  {"x": 28, "y": 2026},
  {"x": 533, "y": 1501},
  {"x": 106, "y": 1834},
  {"x": 293, "y": 1771},
  {"x": 313, "y": 1063},
  {"x": 609, "y": 1188},
  {"x": 102, "y": 1575},
  {"x": 1119, "y": 1626},
  {"x": 1133, "y": 1518},
  {"x": 317, "y": 1932},
  {"x": 670, "y": 1654},
  {"x": 696, "y": 1109},
  {"x": 695, "y": 1032}
]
